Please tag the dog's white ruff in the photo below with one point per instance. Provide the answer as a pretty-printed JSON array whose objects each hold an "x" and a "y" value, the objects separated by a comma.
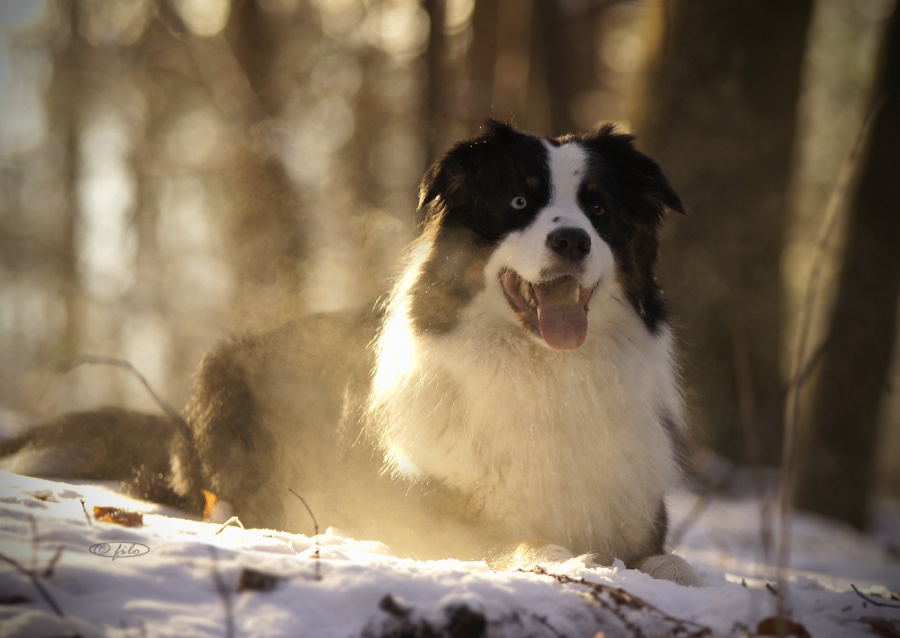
[{"x": 563, "y": 445}]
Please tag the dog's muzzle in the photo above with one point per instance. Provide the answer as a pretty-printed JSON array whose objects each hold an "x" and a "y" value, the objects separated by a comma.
[{"x": 555, "y": 310}]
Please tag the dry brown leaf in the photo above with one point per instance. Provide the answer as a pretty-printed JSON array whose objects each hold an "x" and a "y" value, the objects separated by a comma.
[
  {"x": 210, "y": 499},
  {"x": 118, "y": 516}
]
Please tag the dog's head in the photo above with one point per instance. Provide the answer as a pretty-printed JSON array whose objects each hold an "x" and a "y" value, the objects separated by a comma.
[{"x": 540, "y": 226}]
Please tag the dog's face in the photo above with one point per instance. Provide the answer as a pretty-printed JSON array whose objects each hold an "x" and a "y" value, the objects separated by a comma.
[{"x": 540, "y": 227}]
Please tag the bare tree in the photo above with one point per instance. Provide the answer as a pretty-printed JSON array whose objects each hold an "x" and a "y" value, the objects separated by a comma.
[
  {"x": 63, "y": 102},
  {"x": 718, "y": 111},
  {"x": 837, "y": 476},
  {"x": 267, "y": 225}
]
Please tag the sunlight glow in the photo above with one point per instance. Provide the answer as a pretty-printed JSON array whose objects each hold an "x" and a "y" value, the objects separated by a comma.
[
  {"x": 458, "y": 15},
  {"x": 196, "y": 140},
  {"x": 204, "y": 17},
  {"x": 399, "y": 29},
  {"x": 115, "y": 23},
  {"x": 339, "y": 17},
  {"x": 106, "y": 241}
]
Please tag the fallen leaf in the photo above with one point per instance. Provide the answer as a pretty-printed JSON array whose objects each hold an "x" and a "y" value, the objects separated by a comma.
[
  {"x": 118, "y": 516},
  {"x": 210, "y": 499}
]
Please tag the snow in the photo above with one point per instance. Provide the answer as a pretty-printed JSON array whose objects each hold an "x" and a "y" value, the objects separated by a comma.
[{"x": 178, "y": 577}]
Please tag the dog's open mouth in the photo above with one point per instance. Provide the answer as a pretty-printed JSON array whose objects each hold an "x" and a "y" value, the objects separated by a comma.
[{"x": 556, "y": 310}]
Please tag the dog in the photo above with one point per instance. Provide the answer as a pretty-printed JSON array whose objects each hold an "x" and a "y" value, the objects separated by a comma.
[{"x": 514, "y": 397}]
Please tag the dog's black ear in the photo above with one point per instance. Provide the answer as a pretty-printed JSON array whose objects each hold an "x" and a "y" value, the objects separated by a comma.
[
  {"x": 443, "y": 177},
  {"x": 636, "y": 168},
  {"x": 439, "y": 178},
  {"x": 447, "y": 173},
  {"x": 656, "y": 184},
  {"x": 432, "y": 183}
]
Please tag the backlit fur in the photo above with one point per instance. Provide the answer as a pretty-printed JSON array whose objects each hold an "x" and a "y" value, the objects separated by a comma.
[{"x": 575, "y": 446}]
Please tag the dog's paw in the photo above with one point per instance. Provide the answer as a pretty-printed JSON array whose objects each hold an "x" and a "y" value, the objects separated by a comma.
[
  {"x": 671, "y": 567},
  {"x": 529, "y": 554},
  {"x": 548, "y": 554},
  {"x": 596, "y": 560}
]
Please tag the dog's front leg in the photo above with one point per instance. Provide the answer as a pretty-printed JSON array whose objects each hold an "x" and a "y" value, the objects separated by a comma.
[{"x": 535, "y": 552}]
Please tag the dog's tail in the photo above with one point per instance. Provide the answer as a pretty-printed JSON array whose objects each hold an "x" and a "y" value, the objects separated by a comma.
[{"x": 108, "y": 444}]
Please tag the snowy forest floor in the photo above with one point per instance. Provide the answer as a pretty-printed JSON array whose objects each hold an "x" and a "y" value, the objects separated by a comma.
[{"x": 63, "y": 573}]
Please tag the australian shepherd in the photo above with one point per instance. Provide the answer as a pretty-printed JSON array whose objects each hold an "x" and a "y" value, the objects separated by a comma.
[{"x": 514, "y": 397}]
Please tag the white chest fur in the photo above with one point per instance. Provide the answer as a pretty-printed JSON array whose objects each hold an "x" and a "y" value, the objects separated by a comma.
[{"x": 562, "y": 445}]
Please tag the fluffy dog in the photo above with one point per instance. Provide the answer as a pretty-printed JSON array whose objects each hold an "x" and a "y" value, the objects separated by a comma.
[{"x": 515, "y": 395}]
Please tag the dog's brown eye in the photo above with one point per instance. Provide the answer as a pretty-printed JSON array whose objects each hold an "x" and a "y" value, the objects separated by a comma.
[
  {"x": 518, "y": 203},
  {"x": 597, "y": 208}
]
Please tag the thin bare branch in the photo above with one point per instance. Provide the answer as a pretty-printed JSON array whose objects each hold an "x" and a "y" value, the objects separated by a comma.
[
  {"x": 233, "y": 519},
  {"x": 34, "y": 581},
  {"x": 617, "y": 601},
  {"x": 32, "y": 574},
  {"x": 701, "y": 504},
  {"x": 86, "y": 515},
  {"x": 800, "y": 364},
  {"x": 318, "y": 567},
  {"x": 872, "y": 601},
  {"x": 168, "y": 410},
  {"x": 51, "y": 564}
]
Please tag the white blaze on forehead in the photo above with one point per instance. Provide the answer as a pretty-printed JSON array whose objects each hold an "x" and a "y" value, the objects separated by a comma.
[
  {"x": 568, "y": 164},
  {"x": 525, "y": 251}
]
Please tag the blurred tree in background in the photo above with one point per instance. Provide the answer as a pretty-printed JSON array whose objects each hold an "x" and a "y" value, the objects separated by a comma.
[
  {"x": 175, "y": 170},
  {"x": 719, "y": 112},
  {"x": 839, "y": 446}
]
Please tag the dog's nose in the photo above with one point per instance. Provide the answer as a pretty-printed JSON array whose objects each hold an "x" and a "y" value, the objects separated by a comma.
[{"x": 572, "y": 243}]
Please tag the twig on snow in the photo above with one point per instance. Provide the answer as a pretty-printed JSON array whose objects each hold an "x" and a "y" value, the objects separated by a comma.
[
  {"x": 233, "y": 519},
  {"x": 872, "y": 601},
  {"x": 35, "y": 581},
  {"x": 51, "y": 564},
  {"x": 316, "y": 555},
  {"x": 86, "y": 515},
  {"x": 616, "y": 600},
  {"x": 32, "y": 574}
]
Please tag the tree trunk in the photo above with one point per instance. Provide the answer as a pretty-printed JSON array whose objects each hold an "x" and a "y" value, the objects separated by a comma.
[
  {"x": 564, "y": 51},
  {"x": 718, "y": 111},
  {"x": 64, "y": 107},
  {"x": 837, "y": 475},
  {"x": 268, "y": 229}
]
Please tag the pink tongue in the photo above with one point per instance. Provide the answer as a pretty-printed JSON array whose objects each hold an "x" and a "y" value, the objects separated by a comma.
[{"x": 563, "y": 320}]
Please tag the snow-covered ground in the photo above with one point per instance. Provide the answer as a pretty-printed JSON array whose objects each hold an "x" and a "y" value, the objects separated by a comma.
[{"x": 62, "y": 574}]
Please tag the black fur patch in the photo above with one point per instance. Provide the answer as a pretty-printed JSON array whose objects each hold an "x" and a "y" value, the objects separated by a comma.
[
  {"x": 466, "y": 197},
  {"x": 656, "y": 542},
  {"x": 633, "y": 194},
  {"x": 472, "y": 186}
]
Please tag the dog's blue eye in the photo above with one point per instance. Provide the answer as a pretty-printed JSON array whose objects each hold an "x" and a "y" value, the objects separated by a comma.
[{"x": 518, "y": 203}]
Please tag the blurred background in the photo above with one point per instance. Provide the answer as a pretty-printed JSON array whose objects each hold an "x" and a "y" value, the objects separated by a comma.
[{"x": 174, "y": 171}]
